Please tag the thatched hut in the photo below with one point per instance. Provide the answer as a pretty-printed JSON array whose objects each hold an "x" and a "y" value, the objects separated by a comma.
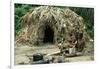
[{"x": 47, "y": 24}]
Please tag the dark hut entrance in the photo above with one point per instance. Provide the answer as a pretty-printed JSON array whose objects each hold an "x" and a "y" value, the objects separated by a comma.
[{"x": 48, "y": 35}]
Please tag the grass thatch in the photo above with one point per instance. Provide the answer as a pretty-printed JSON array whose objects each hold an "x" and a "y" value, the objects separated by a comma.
[{"x": 34, "y": 22}]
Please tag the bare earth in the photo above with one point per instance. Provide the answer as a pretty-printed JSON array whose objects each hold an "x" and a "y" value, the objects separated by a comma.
[{"x": 23, "y": 54}]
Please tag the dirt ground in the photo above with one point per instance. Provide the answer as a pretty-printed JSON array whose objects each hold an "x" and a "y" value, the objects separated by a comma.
[{"x": 24, "y": 53}]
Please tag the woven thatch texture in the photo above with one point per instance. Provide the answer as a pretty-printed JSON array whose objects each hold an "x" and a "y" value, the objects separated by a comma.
[{"x": 65, "y": 23}]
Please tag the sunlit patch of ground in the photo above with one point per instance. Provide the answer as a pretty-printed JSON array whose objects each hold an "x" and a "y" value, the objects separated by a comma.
[{"x": 23, "y": 54}]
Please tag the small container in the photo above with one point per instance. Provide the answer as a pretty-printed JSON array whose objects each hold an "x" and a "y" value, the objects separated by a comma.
[{"x": 37, "y": 57}]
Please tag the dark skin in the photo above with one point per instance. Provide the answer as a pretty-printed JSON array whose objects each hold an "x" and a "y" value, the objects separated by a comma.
[
  {"x": 76, "y": 40},
  {"x": 80, "y": 42},
  {"x": 72, "y": 41}
]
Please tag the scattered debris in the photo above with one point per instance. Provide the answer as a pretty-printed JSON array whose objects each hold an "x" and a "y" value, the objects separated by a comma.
[{"x": 58, "y": 26}]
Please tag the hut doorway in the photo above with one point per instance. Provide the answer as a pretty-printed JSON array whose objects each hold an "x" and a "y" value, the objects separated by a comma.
[{"x": 48, "y": 35}]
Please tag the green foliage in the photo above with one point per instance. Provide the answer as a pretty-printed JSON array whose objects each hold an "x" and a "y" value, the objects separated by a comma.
[
  {"x": 88, "y": 16},
  {"x": 20, "y": 10}
]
